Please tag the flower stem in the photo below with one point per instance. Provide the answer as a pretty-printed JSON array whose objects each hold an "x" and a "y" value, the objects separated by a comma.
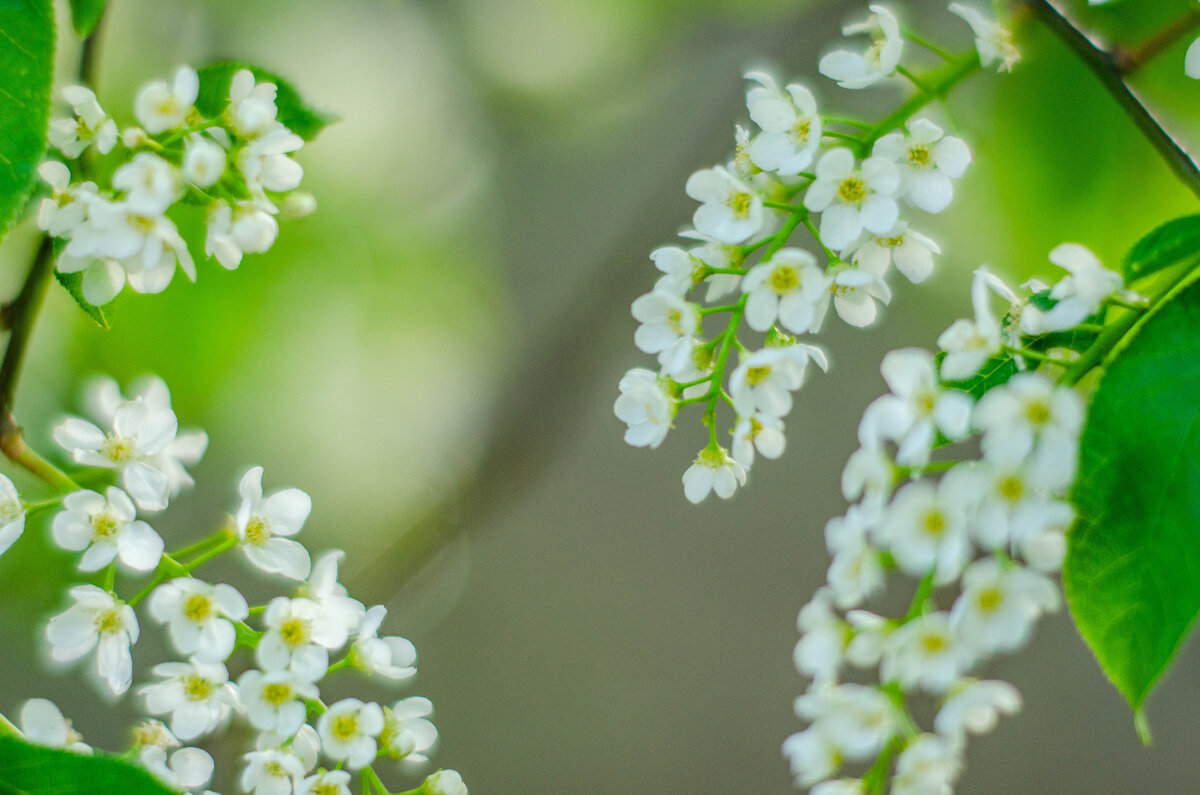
[
  {"x": 939, "y": 84},
  {"x": 921, "y": 41}
]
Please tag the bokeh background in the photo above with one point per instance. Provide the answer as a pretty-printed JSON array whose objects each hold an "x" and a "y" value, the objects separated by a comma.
[{"x": 434, "y": 354}]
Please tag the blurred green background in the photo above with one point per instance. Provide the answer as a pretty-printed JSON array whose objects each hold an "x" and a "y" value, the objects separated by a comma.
[{"x": 434, "y": 354}]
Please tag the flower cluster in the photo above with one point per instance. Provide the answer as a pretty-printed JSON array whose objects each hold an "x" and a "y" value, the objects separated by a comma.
[
  {"x": 983, "y": 537},
  {"x": 852, "y": 186},
  {"x": 237, "y": 167},
  {"x": 313, "y": 629}
]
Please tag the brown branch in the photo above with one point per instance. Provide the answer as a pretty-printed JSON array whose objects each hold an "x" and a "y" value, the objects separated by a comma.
[{"x": 1130, "y": 59}]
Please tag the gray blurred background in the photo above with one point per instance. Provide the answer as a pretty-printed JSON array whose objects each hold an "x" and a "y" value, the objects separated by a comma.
[{"x": 434, "y": 354}]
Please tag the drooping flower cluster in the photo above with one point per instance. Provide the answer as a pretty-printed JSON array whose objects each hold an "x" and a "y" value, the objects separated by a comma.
[
  {"x": 990, "y": 532},
  {"x": 852, "y": 190},
  {"x": 303, "y": 636},
  {"x": 237, "y": 167}
]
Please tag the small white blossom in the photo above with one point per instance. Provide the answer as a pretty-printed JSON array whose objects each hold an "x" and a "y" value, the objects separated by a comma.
[
  {"x": 928, "y": 162},
  {"x": 150, "y": 183},
  {"x": 858, "y": 720},
  {"x": 252, "y": 107},
  {"x": 1012, "y": 503},
  {"x": 272, "y": 771},
  {"x": 925, "y": 528},
  {"x": 331, "y": 596},
  {"x": 91, "y": 125},
  {"x": 66, "y": 207},
  {"x": 107, "y": 528},
  {"x": 868, "y": 475},
  {"x": 274, "y": 700},
  {"x": 856, "y": 571},
  {"x": 265, "y": 165},
  {"x": 1029, "y": 413},
  {"x": 823, "y": 638},
  {"x": 757, "y": 431},
  {"x": 788, "y": 287},
  {"x": 445, "y": 782},
  {"x": 812, "y": 756},
  {"x": 160, "y": 107},
  {"x": 647, "y": 406},
  {"x": 12, "y": 514},
  {"x": 842, "y": 786},
  {"x": 925, "y": 653},
  {"x": 100, "y": 621},
  {"x": 790, "y": 123},
  {"x": 969, "y": 344},
  {"x": 245, "y": 227},
  {"x": 326, "y": 782},
  {"x": 348, "y": 731},
  {"x": 299, "y": 635},
  {"x": 42, "y": 723},
  {"x": 975, "y": 706},
  {"x": 199, "y": 616},
  {"x": 203, "y": 160},
  {"x": 668, "y": 328},
  {"x": 851, "y": 198},
  {"x": 263, "y": 525},
  {"x": 854, "y": 293},
  {"x": 993, "y": 42},
  {"x": 911, "y": 251},
  {"x": 187, "y": 768},
  {"x": 713, "y": 471},
  {"x": 765, "y": 379},
  {"x": 715, "y": 254},
  {"x": 407, "y": 732},
  {"x": 928, "y": 766},
  {"x": 197, "y": 695},
  {"x": 999, "y": 605},
  {"x": 391, "y": 657},
  {"x": 730, "y": 210},
  {"x": 879, "y": 60},
  {"x": 679, "y": 270},
  {"x": 1078, "y": 296}
]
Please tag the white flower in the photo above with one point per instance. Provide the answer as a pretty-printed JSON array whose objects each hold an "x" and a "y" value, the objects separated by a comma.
[
  {"x": 842, "y": 786},
  {"x": 252, "y": 108},
  {"x": 1012, "y": 502},
  {"x": 909, "y": 249},
  {"x": 330, "y": 595},
  {"x": 272, "y": 772},
  {"x": 150, "y": 183},
  {"x": 870, "y": 632},
  {"x": 1030, "y": 411},
  {"x": 868, "y": 475},
  {"x": 999, "y": 605},
  {"x": 101, "y": 621},
  {"x": 299, "y": 635},
  {"x": 445, "y": 782},
  {"x": 993, "y": 42},
  {"x": 264, "y": 524},
  {"x": 42, "y": 723},
  {"x": 203, "y": 160},
  {"x": 879, "y": 60},
  {"x": 790, "y": 123},
  {"x": 811, "y": 755},
  {"x": 856, "y": 571},
  {"x": 326, "y": 782},
  {"x": 925, "y": 528},
  {"x": 1191, "y": 60},
  {"x": 789, "y": 287},
  {"x": 924, "y": 653},
  {"x": 715, "y": 471},
  {"x": 765, "y": 379},
  {"x": 823, "y": 637},
  {"x": 858, "y": 720},
  {"x": 187, "y": 768},
  {"x": 647, "y": 406},
  {"x": 1078, "y": 296},
  {"x": 928, "y": 766},
  {"x": 928, "y": 161},
  {"x": 718, "y": 255},
  {"x": 407, "y": 732},
  {"x": 12, "y": 514},
  {"x": 66, "y": 207},
  {"x": 274, "y": 700},
  {"x": 975, "y": 706},
  {"x": 678, "y": 267},
  {"x": 348, "y": 731},
  {"x": 139, "y": 433},
  {"x": 668, "y": 328},
  {"x": 917, "y": 408},
  {"x": 265, "y": 164},
  {"x": 730, "y": 210},
  {"x": 160, "y": 107},
  {"x": 969, "y": 344},
  {"x": 105, "y": 526},
  {"x": 199, "y": 616},
  {"x": 246, "y": 227},
  {"x": 852, "y": 198},
  {"x": 391, "y": 657},
  {"x": 854, "y": 294},
  {"x": 757, "y": 430},
  {"x": 91, "y": 125},
  {"x": 197, "y": 694}
]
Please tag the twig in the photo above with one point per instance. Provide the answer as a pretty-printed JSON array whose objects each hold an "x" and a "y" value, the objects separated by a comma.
[{"x": 1130, "y": 59}]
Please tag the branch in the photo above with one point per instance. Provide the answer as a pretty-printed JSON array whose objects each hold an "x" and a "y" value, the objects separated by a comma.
[
  {"x": 1107, "y": 68},
  {"x": 1130, "y": 59}
]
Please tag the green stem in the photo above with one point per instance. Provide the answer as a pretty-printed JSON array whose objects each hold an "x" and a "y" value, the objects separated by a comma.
[
  {"x": 862, "y": 125},
  {"x": 830, "y": 254},
  {"x": 920, "y": 41},
  {"x": 788, "y": 208},
  {"x": 939, "y": 85},
  {"x": 844, "y": 136},
  {"x": 181, "y": 570},
  {"x": 200, "y": 545},
  {"x": 1037, "y": 357},
  {"x": 916, "y": 81},
  {"x": 875, "y": 779},
  {"x": 923, "y": 592}
]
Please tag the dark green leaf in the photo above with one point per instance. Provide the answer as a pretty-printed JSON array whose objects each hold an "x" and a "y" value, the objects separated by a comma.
[
  {"x": 1172, "y": 242},
  {"x": 85, "y": 14},
  {"x": 74, "y": 284},
  {"x": 994, "y": 372},
  {"x": 1132, "y": 573},
  {"x": 26, "y": 73},
  {"x": 294, "y": 112},
  {"x": 34, "y": 770},
  {"x": 1072, "y": 339}
]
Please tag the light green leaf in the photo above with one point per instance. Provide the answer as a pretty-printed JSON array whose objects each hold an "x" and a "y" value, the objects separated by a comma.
[
  {"x": 85, "y": 14},
  {"x": 1132, "y": 572},
  {"x": 294, "y": 113},
  {"x": 34, "y": 770},
  {"x": 1172, "y": 242},
  {"x": 74, "y": 284},
  {"x": 26, "y": 73}
]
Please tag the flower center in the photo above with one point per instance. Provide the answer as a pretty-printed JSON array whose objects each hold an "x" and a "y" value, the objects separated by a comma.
[
  {"x": 257, "y": 532},
  {"x": 890, "y": 242},
  {"x": 784, "y": 279},
  {"x": 919, "y": 156},
  {"x": 1038, "y": 412},
  {"x": 739, "y": 202},
  {"x": 198, "y": 608},
  {"x": 325, "y": 788},
  {"x": 345, "y": 727},
  {"x": 874, "y": 53},
  {"x": 932, "y": 644},
  {"x": 852, "y": 190},
  {"x": 10, "y": 511},
  {"x": 989, "y": 599},
  {"x": 925, "y": 402},
  {"x": 109, "y": 622},
  {"x": 1011, "y": 488},
  {"x": 105, "y": 524},
  {"x": 196, "y": 687},
  {"x": 801, "y": 130},
  {"x": 757, "y": 375},
  {"x": 295, "y": 632},
  {"x": 675, "y": 320},
  {"x": 277, "y": 693},
  {"x": 935, "y": 522},
  {"x": 117, "y": 449}
]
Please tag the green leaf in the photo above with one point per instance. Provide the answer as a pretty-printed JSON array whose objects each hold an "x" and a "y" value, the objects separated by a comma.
[
  {"x": 1170, "y": 243},
  {"x": 1132, "y": 572},
  {"x": 26, "y": 73},
  {"x": 34, "y": 770},
  {"x": 74, "y": 284},
  {"x": 85, "y": 14},
  {"x": 994, "y": 372},
  {"x": 294, "y": 113}
]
